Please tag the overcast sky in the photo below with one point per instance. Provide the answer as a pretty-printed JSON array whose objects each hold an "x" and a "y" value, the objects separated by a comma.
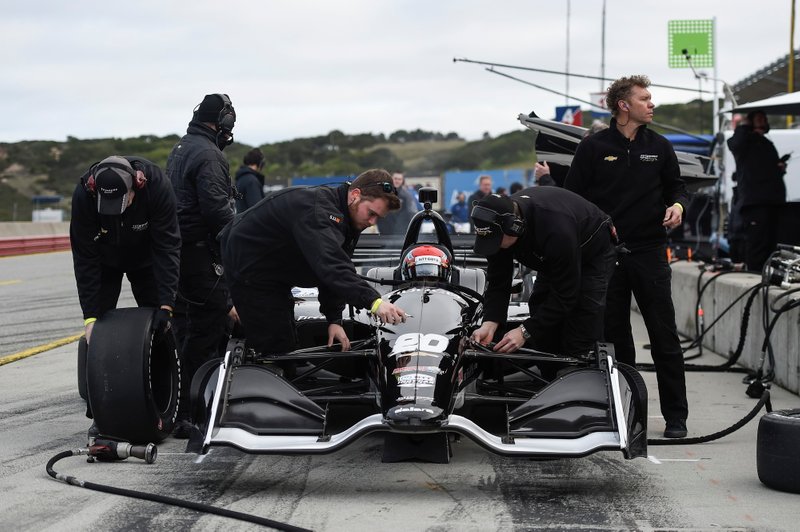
[{"x": 298, "y": 68}]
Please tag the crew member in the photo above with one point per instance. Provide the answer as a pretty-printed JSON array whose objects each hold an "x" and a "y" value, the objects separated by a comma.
[
  {"x": 201, "y": 180},
  {"x": 250, "y": 180},
  {"x": 632, "y": 173},
  {"x": 124, "y": 223},
  {"x": 760, "y": 189},
  {"x": 568, "y": 241},
  {"x": 304, "y": 236}
]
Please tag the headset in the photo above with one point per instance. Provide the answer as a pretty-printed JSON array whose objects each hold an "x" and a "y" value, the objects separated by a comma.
[
  {"x": 227, "y": 115},
  {"x": 139, "y": 179},
  {"x": 509, "y": 223}
]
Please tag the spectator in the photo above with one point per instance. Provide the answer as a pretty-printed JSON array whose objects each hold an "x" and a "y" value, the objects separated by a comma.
[
  {"x": 516, "y": 186},
  {"x": 396, "y": 223},
  {"x": 501, "y": 191},
  {"x": 250, "y": 180},
  {"x": 484, "y": 189},
  {"x": 460, "y": 213}
]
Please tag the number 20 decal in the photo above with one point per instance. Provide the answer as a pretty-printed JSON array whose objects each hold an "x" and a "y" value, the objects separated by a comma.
[{"x": 435, "y": 343}]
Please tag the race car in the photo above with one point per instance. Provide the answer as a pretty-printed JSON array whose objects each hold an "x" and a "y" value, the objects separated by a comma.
[{"x": 422, "y": 382}]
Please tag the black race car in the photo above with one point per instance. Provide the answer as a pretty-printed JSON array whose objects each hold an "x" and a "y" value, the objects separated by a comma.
[{"x": 421, "y": 382}]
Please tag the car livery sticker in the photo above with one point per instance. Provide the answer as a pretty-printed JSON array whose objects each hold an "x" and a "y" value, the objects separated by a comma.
[{"x": 432, "y": 343}]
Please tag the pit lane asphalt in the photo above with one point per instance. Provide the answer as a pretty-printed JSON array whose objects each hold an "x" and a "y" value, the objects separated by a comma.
[{"x": 713, "y": 486}]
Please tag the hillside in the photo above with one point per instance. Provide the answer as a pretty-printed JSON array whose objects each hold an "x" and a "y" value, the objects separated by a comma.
[{"x": 32, "y": 168}]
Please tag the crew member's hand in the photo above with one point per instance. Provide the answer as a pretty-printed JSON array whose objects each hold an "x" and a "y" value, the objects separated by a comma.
[
  {"x": 673, "y": 217},
  {"x": 88, "y": 332},
  {"x": 389, "y": 313},
  {"x": 511, "y": 341},
  {"x": 232, "y": 314},
  {"x": 484, "y": 334},
  {"x": 541, "y": 169},
  {"x": 162, "y": 319},
  {"x": 336, "y": 333}
]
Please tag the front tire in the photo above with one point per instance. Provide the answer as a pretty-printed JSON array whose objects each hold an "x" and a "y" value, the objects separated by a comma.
[{"x": 133, "y": 377}]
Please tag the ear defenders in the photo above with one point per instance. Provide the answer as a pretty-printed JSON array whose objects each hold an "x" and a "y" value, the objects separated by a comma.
[
  {"x": 139, "y": 179},
  {"x": 510, "y": 224},
  {"x": 227, "y": 115}
]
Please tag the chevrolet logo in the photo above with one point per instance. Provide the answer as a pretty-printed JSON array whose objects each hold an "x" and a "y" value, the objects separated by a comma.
[{"x": 611, "y": 158}]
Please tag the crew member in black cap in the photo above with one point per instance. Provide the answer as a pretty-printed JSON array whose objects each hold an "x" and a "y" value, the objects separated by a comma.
[
  {"x": 124, "y": 223},
  {"x": 201, "y": 180},
  {"x": 569, "y": 242}
]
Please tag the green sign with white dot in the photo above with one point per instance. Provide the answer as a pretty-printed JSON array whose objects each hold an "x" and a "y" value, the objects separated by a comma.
[{"x": 692, "y": 38}]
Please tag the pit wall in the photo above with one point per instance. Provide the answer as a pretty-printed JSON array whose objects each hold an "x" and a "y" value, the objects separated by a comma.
[
  {"x": 723, "y": 338},
  {"x": 22, "y": 238}
]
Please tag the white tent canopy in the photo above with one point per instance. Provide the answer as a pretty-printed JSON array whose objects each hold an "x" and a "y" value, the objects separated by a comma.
[{"x": 785, "y": 104}]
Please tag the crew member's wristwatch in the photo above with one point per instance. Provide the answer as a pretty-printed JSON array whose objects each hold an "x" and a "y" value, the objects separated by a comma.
[{"x": 525, "y": 334}]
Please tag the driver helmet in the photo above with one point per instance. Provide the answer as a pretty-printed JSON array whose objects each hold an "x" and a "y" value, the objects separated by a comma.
[{"x": 426, "y": 261}]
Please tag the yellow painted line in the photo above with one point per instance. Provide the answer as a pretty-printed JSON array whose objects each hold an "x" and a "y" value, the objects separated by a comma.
[
  {"x": 39, "y": 349},
  {"x": 14, "y": 281}
]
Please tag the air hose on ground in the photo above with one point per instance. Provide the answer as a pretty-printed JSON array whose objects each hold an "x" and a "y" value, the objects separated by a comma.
[
  {"x": 104, "y": 450},
  {"x": 764, "y": 401}
]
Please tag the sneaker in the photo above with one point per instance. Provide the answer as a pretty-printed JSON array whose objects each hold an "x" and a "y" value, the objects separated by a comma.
[
  {"x": 183, "y": 429},
  {"x": 676, "y": 428},
  {"x": 92, "y": 434}
]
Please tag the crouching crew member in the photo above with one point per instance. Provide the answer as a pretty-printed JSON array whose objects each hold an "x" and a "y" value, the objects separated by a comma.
[
  {"x": 568, "y": 241},
  {"x": 124, "y": 222},
  {"x": 304, "y": 236}
]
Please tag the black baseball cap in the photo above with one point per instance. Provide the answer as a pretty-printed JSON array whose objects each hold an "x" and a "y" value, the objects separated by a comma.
[
  {"x": 486, "y": 217},
  {"x": 113, "y": 179}
]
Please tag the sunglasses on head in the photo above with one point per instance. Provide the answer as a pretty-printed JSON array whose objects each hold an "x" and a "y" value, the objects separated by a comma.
[{"x": 387, "y": 187}]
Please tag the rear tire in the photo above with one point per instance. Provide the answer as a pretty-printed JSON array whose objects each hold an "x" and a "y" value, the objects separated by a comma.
[
  {"x": 777, "y": 459},
  {"x": 133, "y": 377}
]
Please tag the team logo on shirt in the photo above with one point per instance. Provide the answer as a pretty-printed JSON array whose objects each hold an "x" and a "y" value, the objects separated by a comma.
[
  {"x": 335, "y": 218},
  {"x": 648, "y": 158},
  {"x": 140, "y": 227},
  {"x": 610, "y": 158}
]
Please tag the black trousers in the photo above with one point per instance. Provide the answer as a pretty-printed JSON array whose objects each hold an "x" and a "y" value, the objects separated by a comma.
[
  {"x": 761, "y": 233},
  {"x": 576, "y": 335},
  {"x": 267, "y": 315},
  {"x": 202, "y": 326},
  {"x": 647, "y": 275},
  {"x": 143, "y": 286}
]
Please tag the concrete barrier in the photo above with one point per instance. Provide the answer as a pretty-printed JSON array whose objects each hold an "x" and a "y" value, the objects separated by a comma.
[
  {"x": 21, "y": 238},
  {"x": 723, "y": 338}
]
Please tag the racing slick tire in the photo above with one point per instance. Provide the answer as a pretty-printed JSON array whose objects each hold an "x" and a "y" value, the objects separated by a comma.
[
  {"x": 777, "y": 459},
  {"x": 133, "y": 377}
]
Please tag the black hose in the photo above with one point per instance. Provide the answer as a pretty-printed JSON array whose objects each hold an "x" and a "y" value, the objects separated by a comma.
[
  {"x": 763, "y": 401},
  {"x": 199, "y": 507}
]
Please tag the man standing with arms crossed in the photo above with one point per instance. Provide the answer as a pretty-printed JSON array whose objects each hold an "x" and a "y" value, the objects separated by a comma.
[{"x": 632, "y": 173}]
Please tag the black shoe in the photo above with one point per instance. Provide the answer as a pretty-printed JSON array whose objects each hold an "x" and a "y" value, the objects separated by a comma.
[
  {"x": 676, "y": 428},
  {"x": 183, "y": 429}
]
